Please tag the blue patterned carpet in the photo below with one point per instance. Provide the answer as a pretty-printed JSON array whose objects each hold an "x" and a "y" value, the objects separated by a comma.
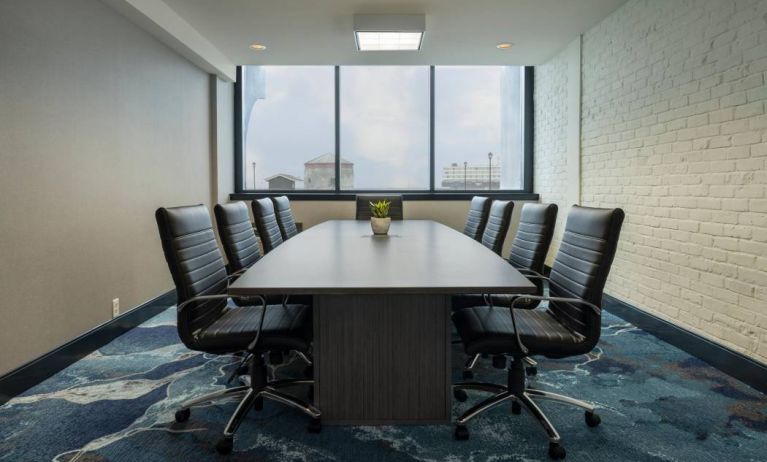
[{"x": 657, "y": 404}]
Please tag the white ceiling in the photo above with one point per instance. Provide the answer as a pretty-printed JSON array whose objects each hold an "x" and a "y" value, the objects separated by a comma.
[{"x": 457, "y": 31}]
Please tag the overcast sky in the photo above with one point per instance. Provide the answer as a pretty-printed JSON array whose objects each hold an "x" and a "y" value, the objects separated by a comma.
[{"x": 384, "y": 121}]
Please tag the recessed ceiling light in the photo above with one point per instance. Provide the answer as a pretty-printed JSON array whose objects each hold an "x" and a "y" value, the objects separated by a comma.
[
  {"x": 257, "y": 47},
  {"x": 504, "y": 45},
  {"x": 389, "y": 32}
]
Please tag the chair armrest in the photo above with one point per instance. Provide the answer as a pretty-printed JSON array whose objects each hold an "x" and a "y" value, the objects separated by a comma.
[
  {"x": 520, "y": 297},
  {"x": 577, "y": 301},
  {"x": 530, "y": 272},
  {"x": 182, "y": 305},
  {"x": 254, "y": 343},
  {"x": 230, "y": 278}
]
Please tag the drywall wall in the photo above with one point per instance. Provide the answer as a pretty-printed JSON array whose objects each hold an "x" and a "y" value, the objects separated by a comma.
[{"x": 99, "y": 125}]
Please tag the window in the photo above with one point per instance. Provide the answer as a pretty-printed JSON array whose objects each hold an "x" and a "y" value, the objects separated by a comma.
[
  {"x": 424, "y": 130},
  {"x": 384, "y": 123},
  {"x": 288, "y": 115},
  {"x": 478, "y": 137}
]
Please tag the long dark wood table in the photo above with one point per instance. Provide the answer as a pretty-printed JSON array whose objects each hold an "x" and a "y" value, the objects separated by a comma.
[{"x": 381, "y": 312}]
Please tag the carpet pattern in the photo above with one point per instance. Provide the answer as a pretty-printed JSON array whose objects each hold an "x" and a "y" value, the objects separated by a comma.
[{"x": 657, "y": 403}]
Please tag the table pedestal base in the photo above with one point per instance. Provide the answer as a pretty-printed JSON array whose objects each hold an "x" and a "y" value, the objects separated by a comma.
[{"x": 382, "y": 359}]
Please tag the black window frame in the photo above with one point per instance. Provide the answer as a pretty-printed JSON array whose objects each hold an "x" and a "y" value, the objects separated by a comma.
[{"x": 526, "y": 193}]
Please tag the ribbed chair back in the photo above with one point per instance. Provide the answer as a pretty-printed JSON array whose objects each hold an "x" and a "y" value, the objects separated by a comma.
[
  {"x": 196, "y": 265},
  {"x": 582, "y": 265},
  {"x": 476, "y": 219},
  {"x": 266, "y": 224},
  {"x": 285, "y": 219},
  {"x": 497, "y": 225}
]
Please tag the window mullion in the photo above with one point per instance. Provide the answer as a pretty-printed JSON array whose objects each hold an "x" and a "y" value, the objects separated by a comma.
[
  {"x": 338, "y": 127},
  {"x": 431, "y": 129}
]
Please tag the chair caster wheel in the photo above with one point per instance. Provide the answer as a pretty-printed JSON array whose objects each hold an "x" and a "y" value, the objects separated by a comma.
[
  {"x": 556, "y": 451},
  {"x": 468, "y": 375},
  {"x": 315, "y": 426},
  {"x": 225, "y": 445},
  {"x": 309, "y": 372},
  {"x": 183, "y": 415},
  {"x": 461, "y": 433},
  {"x": 258, "y": 403},
  {"x": 531, "y": 371},
  {"x": 592, "y": 419},
  {"x": 516, "y": 408},
  {"x": 460, "y": 395}
]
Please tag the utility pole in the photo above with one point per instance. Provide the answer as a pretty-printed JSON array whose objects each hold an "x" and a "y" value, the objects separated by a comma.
[
  {"x": 489, "y": 170},
  {"x": 254, "y": 175},
  {"x": 464, "y": 175}
]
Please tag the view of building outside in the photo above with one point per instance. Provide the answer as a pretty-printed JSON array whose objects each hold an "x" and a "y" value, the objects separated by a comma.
[
  {"x": 385, "y": 126},
  {"x": 320, "y": 172},
  {"x": 288, "y": 122},
  {"x": 289, "y": 127},
  {"x": 478, "y": 142}
]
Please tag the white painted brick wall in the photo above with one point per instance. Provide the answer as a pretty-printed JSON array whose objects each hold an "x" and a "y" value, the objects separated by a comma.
[
  {"x": 550, "y": 146},
  {"x": 674, "y": 131}
]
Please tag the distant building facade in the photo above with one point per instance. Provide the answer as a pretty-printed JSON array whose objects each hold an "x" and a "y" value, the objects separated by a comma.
[
  {"x": 282, "y": 181},
  {"x": 320, "y": 173},
  {"x": 471, "y": 176}
]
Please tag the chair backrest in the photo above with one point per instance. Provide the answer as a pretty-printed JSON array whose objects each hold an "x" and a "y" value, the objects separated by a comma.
[
  {"x": 285, "y": 219},
  {"x": 195, "y": 263},
  {"x": 497, "y": 225},
  {"x": 266, "y": 223},
  {"x": 364, "y": 200},
  {"x": 533, "y": 238},
  {"x": 477, "y": 217},
  {"x": 237, "y": 235},
  {"x": 581, "y": 267}
]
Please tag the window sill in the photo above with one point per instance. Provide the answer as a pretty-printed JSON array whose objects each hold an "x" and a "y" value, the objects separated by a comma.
[{"x": 408, "y": 196}]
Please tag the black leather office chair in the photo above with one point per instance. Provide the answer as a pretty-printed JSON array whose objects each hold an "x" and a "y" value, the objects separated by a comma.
[
  {"x": 237, "y": 235},
  {"x": 396, "y": 211},
  {"x": 497, "y": 225},
  {"x": 266, "y": 223},
  {"x": 477, "y": 217},
  {"x": 528, "y": 255},
  {"x": 241, "y": 248},
  {"x": 206, "y": 323},
  {"x": 570, "y": 326},
  {"x": 285, "y": 219}
]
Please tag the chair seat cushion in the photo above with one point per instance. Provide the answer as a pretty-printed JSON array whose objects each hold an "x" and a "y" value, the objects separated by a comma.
[
  {"x": 485, "y": 329},
  {"x": 285, "y": 328},
  {"x": 469, "y": 300}
]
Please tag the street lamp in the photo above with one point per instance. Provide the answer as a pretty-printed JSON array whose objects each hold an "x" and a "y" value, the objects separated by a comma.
[
  {"x": 489, "y": 170},
  {"x": 464, "y": 175}
]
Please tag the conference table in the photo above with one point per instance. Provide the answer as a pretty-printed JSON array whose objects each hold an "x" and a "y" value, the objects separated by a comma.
[{"x": 381, "y": 312}]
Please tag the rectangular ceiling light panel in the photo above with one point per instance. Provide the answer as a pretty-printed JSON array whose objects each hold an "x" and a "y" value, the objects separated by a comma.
[{"x": 379, "y": 32}]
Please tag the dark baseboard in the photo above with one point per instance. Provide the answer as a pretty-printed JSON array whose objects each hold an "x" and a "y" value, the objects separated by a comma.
[
  {"x": 737, "y": 365},
  {"x": 37, "y": 370}
]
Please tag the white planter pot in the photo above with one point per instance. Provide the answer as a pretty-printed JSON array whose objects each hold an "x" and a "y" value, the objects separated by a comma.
[{"x": 380, "y": 225}]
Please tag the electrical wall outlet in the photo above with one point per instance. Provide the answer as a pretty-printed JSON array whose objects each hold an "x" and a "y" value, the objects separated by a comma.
[{"x": 115, "y": 307}]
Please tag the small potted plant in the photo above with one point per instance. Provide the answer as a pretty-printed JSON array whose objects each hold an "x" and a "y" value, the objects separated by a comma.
[{"x": 380, "y": 221}]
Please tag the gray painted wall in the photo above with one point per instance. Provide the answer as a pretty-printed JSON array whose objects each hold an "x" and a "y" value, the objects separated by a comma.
[{"x": 99, "y": 125}]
